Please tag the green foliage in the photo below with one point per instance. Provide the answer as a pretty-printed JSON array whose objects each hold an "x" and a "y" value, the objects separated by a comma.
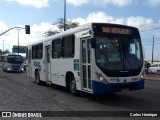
[
  {"x": 1, "y": 52},
  {"x": 4, "y": 52},
  {"x": 68, "y": 24},
  {"x": 60, "y": 25},
  {"x": 49, "y": 33}
]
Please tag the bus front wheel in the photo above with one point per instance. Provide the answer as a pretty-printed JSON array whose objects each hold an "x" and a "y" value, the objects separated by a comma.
[{"x": 73, "y": 88}]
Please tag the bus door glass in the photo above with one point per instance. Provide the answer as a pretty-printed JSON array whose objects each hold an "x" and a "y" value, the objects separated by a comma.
[
  {"x": 86, "y": 63},
  {"x": 47, "y": 63}
]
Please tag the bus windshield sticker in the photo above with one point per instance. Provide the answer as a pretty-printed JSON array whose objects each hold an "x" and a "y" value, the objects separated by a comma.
[{"x": 76, "y": 64}]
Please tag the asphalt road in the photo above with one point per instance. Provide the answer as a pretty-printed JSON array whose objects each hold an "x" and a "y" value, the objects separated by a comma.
[{"x": 20, "y": 93}]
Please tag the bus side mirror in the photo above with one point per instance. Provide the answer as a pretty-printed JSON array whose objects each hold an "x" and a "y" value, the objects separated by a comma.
[{"x": 93, "y": 42}]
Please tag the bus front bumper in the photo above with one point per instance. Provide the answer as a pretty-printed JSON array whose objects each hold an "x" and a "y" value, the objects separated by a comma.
[
  {"x": 9, "y": 69},
  {"x": 104, "y": 88}
]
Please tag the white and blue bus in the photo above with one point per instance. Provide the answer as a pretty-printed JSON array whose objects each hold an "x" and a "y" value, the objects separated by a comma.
[
  {"x": 96, "y": 58},
  {"x": 12, "y": 62}
]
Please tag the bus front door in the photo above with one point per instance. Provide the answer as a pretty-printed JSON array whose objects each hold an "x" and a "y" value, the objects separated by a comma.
[
  {"x": 47, "y": 63},
  {"x": 86, "y": 63}
]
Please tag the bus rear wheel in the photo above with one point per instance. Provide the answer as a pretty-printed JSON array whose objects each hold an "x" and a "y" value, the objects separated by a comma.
[
  {"x": 72, "y": 87},
  {"x": 38, "y": 81}
]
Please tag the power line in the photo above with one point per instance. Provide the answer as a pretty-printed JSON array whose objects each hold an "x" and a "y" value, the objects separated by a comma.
[
  {"x": 151, "y": 23},
  {"x": 150, "y": 29},
  {"x": 150, "y": 38},
  {"x": 150, "y": 41},
  {"x": 149, "y": 44}
]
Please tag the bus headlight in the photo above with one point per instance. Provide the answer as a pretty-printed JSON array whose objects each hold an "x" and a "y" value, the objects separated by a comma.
[
  {"x": 8, "y": 68},
  {"x": 101, "y": 78},
  {"x": 142, "y": 76}
]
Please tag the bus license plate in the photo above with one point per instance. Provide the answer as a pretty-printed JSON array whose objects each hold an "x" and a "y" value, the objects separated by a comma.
[{"x": 125, "y": 90}]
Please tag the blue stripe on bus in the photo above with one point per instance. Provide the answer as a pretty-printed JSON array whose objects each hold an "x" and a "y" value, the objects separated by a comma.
[{"x": 103, "y": 88}]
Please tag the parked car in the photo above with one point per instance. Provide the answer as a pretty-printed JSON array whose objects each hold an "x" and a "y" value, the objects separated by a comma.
[{"x": 154, "y": 68}]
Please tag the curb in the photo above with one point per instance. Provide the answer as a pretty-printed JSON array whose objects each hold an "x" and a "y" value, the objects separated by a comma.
[{"x": 151, "y": 78}]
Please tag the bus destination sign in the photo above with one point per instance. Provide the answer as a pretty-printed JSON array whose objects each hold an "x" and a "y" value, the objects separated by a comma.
[{"x": 115, "y": 30}]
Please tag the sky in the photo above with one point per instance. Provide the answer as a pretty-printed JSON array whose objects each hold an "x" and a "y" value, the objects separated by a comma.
[{"x": 39, "y": 14}]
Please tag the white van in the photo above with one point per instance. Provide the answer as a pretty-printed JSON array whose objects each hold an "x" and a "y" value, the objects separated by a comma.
[{"x": 155, "y": 68}]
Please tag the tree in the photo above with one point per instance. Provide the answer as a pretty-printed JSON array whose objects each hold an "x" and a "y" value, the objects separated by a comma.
[
  {"x": 1, "y": 52},
  {"x": 50, "y": 33},
  {"x": 68, "y": 24},
  {"x": 6, "y": 51},
  {"x": 60, "y": 25}
]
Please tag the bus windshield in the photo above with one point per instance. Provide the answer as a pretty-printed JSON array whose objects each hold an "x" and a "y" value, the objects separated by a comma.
[
  {"x": 14, "y": 59},
  {"x": 119, "y": 55}
]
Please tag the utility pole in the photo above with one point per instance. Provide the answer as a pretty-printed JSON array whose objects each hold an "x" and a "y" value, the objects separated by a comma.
[
  {"x": 152, "y": 49},
  {"x": 64, "y": 15},
  {"x": 18, "y": 41}
]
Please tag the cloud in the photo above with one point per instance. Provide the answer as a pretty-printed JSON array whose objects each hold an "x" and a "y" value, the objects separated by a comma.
[
  {"x": 153, "y": 3},
  {"x": 11, "y": 37},
  {"x": 99, "y": 17},
  {"x": 3, "y": 27},
  {"x": 78, "y": 2},
  {"x": 37, "y": 30},
  {"x": 137, "y": 21},
  {"x": 34, "y": 3},
  {"x": 119, "y": 3}
]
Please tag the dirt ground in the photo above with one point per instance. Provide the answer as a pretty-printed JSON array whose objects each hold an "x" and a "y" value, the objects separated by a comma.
[{"x": 152, "y": 77}]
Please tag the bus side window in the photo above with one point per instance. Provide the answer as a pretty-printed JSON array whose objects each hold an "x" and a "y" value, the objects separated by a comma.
[
  {"x": 40, "y": 51},
  {"x": 34, "y": 51},
  {"x": 26, "y": 53},
  {"x": 56, "y": 48},
  {"x": 68, "y": 46}
]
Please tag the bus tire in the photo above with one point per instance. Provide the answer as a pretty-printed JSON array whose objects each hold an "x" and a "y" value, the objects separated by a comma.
[
  {"x": 158, "y": 72},
  {"x": 73, "y": 87},
  {"x": 38, "y": 81}
]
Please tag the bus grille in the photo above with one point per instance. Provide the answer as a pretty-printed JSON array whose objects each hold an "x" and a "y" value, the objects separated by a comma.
[{"x": 15, "y": 68}]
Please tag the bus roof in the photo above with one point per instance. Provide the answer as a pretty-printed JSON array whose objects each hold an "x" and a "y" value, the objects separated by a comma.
[
  {"x": 73, "y": 30},
  {"x": 64, "y": 33}
]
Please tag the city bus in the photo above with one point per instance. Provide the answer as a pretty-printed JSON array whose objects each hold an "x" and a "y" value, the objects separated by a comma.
[
  {"x": 12, "y": 62},
  {"x": 97, "y": 58}
]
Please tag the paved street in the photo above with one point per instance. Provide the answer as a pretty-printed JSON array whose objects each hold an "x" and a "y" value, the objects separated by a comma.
[{"x": 20, "y": 93}]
